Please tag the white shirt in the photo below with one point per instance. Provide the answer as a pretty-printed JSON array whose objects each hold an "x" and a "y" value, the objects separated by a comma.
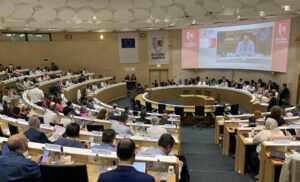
[
  {"x": 224, "y": 84},
  {"x": 65, "y": 121},
  {"x": 50, "y": 117},
  {"x": 120, "y": 128},
  {"x": 156, "y": 131},
  {"x": 27, "y": 84},
  {"x": 103, "y": 84},
  {"x": 36, "y": 95},
  {"x": 201, "y": 83}
]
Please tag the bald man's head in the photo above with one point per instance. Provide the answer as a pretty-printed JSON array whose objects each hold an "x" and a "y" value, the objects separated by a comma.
[
  {"x": 126, "y": 150},
  {"x": 18, "y": 142}
]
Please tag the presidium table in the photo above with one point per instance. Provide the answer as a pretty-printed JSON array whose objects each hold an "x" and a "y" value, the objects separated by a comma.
[{"x": 191, "y": 96}]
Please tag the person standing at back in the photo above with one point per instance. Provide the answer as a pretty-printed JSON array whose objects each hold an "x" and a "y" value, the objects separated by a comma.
[{"x": 125, "y": 172}]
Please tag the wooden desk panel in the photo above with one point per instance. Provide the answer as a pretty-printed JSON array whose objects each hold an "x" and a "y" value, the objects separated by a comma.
[
  {"x": 196, "y": 100},
  {"x": 112, "y": 94}
]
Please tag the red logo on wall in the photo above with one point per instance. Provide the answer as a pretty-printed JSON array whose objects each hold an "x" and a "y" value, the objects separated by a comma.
[{"x": 283, "y": 29}]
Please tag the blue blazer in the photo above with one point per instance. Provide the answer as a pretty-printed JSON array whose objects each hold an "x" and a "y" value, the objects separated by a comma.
[
  {"x": 126, "y": 174},
  {"x": 36, "y": 136}
]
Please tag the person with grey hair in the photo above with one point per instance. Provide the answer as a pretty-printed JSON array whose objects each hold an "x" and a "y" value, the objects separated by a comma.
[
  {"x": 270, "y": 130},
  {"x": 14, "y": 166},
  {"x": 156, "y": 130},
  {"x": 33, "y": 133}
]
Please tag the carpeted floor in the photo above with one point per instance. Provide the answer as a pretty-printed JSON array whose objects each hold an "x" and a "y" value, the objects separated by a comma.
[{"x": 205, "y": 159}]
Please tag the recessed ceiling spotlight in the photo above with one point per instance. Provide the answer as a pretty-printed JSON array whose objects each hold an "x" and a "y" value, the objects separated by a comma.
[
  {"x": 193, "y": 22},
  {"x": 286, "y": 7},
  {"x": 94, "y": 17},
  {"x": 238, "y": 17},
  {"x": 262, "y": 13}
]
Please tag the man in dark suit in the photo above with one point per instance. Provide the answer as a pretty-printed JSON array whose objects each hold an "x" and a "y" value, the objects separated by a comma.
[
  {"x": 164, "y": 120},
  {"x": 142, "y": 118},
  {"x": 125, "y": 171},
  {"x": 33, "y": 134}
]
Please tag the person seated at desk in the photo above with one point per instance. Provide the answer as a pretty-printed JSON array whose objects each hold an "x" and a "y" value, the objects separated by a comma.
[
  {"x": 72, "y": 133},
  {"x": 66, "y": 120},
  {"x": 125, "y": 171},
  {"x": 36, "y": 96},
  {"x": 81, "y": 78},
  {"x": 103, "y": 114},
  {"x": 272, "y": 101},
  {"x": 155, "y": 130},
  {"x": 252, "y": 122},
  {"x": 20, "y": 86},
  {"x": 108, "y": 138},
  {"x": 223, "y": 82},
  {"x": 54, "y": 67},
  {"x": 14, "y": 166},
  {"x": 297, "y": 111},
  {"x": 27, "y": 83},
  {"x": 164, "y": 120},
  {"x": 270, "y": 130},
  {"x": 120, "y": 127},
  {"x": 33, "y": 133},
  {"x": 113, "y": 116},
  {"x": 58, "y": 104},
  {"x": 276, "y": 113},
  {"x": 155, "y": 83},
  {"x": 142, "y": 118},
  {"x": 70, "y": 107},
  {"x": 25, "y": 110},
  {"x": 51, "y": 115},
  {"x": 165, "y": 146},
  {"x": 245, "y": 47}
]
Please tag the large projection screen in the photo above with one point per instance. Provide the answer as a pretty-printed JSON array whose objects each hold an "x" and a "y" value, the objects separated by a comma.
[{"x": 262, "y": 46}]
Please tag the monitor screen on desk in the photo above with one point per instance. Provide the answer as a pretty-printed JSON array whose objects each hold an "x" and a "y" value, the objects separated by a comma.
[{"x": 140, "y": 166}]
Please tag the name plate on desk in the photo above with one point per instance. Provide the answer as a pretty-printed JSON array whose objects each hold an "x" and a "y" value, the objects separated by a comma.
[
  {"x": 154, "y": 137},
  {"x": 101, "y": 151},
  {"x": 53, "y": 147},
  {"x": 145, "y": 154},
  {"x": 294, "y": 126},
  {"x": 282, "y": 141},
  {"x": 125, "y": 135},
  {"x": 97, "y": 133}
]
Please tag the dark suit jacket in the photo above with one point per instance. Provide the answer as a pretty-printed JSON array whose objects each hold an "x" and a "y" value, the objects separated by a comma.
[
  {"x": 36, "y": 136},
  {"x": 143, "y": 120},
  {"x": 125, "y": 173},
  {"x": 273, "y": 102},
  {"x": 164, "y": 121}
]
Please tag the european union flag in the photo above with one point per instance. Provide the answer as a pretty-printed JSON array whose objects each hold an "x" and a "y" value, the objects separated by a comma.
[{"x": 128, "y": 43}]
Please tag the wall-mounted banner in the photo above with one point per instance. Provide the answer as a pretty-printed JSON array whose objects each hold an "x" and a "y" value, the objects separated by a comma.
[
  {"x": 158, "y": 47},
  {"x": 128, "y": 48}
]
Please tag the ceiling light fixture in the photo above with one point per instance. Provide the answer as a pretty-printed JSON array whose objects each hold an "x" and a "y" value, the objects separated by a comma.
[
  {"x": 286, "y": 7},
  {"x": 94, "y": 17},
  {"x": 101, "y": 37},
  {"x": 262, "y": 13}
]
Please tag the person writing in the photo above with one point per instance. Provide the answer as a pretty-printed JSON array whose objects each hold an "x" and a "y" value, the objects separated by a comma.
[
  {"x": 245, "y": 47},
  {"x": 126, "y": 151}
]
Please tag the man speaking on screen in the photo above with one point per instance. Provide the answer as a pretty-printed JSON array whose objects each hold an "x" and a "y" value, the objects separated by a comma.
[{"x": 245, "y": 47}]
